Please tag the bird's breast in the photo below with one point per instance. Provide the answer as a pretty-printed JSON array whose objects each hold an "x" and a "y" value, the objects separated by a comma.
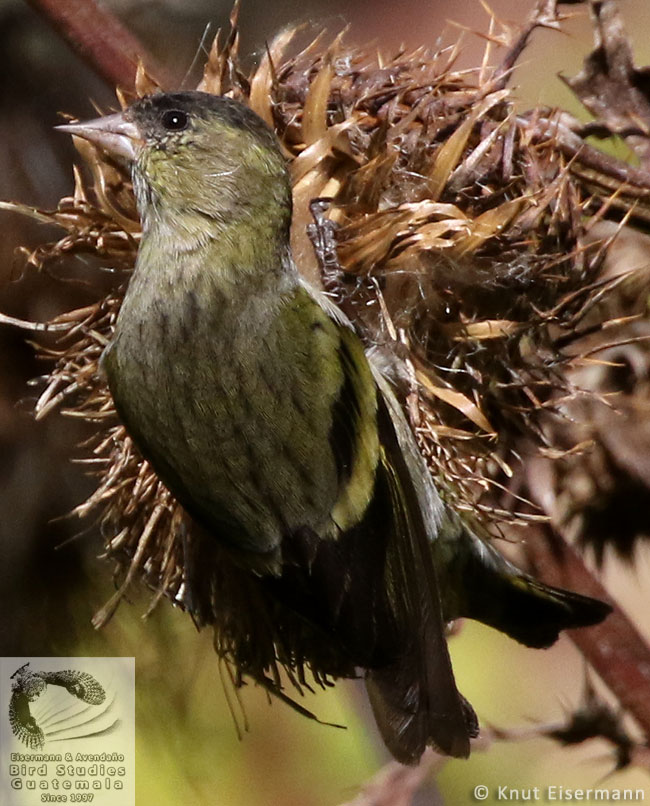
[{"x": 223, "y": 398}]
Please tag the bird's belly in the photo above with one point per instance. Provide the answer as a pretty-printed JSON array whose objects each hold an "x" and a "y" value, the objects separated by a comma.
[{"x": 217, "y": 415}]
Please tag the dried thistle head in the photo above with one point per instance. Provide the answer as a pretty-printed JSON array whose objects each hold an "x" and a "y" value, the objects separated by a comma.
[{"x": 458, "y": 234}]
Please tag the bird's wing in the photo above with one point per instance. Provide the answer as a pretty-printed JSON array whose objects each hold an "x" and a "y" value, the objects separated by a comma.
[
  {"x": 80, "y": 684},
  {"x": 23, "y": 724},
  {"x": 415, "y": 699},
  {"x": 332, "y": 558},
  {"x": 375, "y": 582},
  {"x": 354, "y": 437}
]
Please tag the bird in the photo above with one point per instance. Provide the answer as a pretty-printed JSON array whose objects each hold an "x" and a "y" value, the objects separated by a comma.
[
  {"x": 28, "y": 685},
  {"x": 281, "y": 435}
]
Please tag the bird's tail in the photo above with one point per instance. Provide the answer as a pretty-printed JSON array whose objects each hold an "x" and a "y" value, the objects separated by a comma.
[
  {"x": 410, "y": 717},
  {"x": 479, "y": 583}
]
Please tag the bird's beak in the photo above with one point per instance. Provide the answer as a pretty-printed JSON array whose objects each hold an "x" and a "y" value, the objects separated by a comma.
[{"x": 114, "y": 133}]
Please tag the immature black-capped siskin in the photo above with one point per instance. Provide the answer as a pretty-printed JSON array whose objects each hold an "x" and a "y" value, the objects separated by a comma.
[{"x": 257, "y": 405}]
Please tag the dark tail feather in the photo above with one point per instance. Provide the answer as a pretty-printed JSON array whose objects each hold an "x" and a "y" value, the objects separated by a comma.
[
  {"x": 530, "y": 611},
  {"x": 409, "y": 721},
  {"x": 488, "y": 588}
]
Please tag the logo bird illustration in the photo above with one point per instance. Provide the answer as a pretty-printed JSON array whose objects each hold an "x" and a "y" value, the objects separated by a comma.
[{"x": 28, "y": 685}]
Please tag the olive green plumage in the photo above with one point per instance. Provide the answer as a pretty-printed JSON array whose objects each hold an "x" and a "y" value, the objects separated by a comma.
[{"x": 254, "y": 400}]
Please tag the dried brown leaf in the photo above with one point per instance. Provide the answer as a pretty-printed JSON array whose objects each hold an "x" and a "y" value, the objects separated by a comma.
[
  {"x": 457, "y": 400},
  {"x": 334, "y": 139},
  {"x": 213, "y": 69},
  {"x": 449, "y": 154},
  {"x": 486, "y": 329},
  {"x": 144, "y": 83},
  {"x": 489, "y": 224},
  {"x": 314, "y": 113},
  {"x": 264, "y": 78}
]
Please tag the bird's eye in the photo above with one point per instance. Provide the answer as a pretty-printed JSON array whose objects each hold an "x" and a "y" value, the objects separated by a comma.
[{"x": 174, "y": 120}]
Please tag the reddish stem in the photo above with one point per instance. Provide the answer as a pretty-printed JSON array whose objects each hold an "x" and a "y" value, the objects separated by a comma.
[
  {"x": 615, "y": 649},
  {"x": 100, "y": 39}
]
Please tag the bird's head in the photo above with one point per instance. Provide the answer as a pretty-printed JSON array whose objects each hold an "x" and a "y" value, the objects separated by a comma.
[
  {"x": 196, "y": 154},
  {"x": 20, "y": 671}
]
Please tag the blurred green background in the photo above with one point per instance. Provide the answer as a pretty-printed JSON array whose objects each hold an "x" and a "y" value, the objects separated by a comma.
[{"x": 50, "y": 586}]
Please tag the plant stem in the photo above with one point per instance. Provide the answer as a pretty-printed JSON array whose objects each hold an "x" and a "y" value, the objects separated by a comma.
[
  {"x": 100, "y": 39},
  {"x": 615, "y": 648}
]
